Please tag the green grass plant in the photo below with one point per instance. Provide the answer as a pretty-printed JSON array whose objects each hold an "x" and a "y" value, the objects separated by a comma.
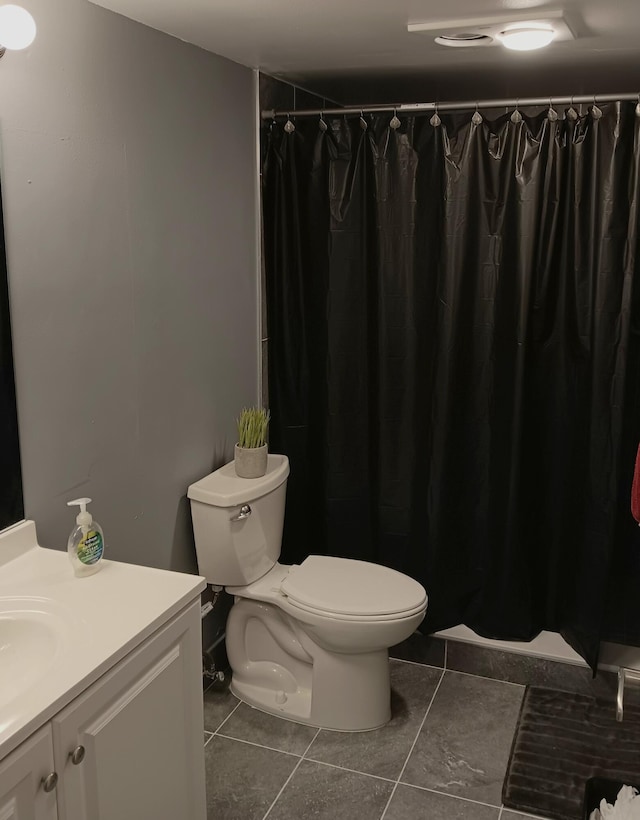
[{"x": 252, "y": 427}]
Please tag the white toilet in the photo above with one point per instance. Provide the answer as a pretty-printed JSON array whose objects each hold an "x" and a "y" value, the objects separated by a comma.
[{"x": 309, "y": 642}]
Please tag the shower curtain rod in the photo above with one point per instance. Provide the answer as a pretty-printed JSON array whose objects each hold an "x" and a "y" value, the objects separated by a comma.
[{"x": 409, "y": 108}]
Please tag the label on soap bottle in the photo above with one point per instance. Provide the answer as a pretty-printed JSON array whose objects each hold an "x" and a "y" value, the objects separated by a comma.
[{"x": 90, "y": 548}]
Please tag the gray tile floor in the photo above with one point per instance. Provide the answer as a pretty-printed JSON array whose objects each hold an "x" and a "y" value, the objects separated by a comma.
[{"x": 443, "y": 756}]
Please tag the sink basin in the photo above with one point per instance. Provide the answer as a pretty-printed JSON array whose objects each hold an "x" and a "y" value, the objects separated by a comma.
[{"x": 32, "y": 635}]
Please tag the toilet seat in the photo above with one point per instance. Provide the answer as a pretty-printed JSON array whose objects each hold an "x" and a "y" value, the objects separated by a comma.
[{"x": 346, "y": 589}]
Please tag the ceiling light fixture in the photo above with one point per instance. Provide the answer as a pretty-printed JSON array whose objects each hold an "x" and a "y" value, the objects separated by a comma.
[
  {"x": 514, "y": 29},
  {"x": 17, "y": 28},
  {"x": 526, "y": 38}
]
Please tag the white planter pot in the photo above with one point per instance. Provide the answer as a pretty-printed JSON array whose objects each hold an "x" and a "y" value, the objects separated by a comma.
[{"x": 251, "y": 462}]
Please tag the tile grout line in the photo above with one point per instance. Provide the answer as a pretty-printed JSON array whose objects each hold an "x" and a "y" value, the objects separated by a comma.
[
  {"x": 295, "y": 769},
  {"x": 484, "y": 677},
  {"x": 227, "y": 717},
  {"x": 445, "y": 668},
  {"x": 426, "y": 714},
  {"x": 416, "y": 663},
  {"x": 415, "y": 740},
  {"x": 351, "y": 771},
  {"x": 257, "y": 745},
  {"x": 449, "y": 794}
]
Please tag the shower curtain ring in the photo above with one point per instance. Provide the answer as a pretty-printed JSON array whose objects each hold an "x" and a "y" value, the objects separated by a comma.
[
  {"x": 638, "y": 107},
  {"x": 363, "y": 122},
  {"x": 572, "y": 114},
  {"x": 435, "y": 119},
  {"x": 322, "y": 125},
  {"x": 289, "y": 127},
  {"x": 394, "y": 122},
  {"x": 516, "y": 117},
  {"x": 552, "y": 114},
  {"x": 476, "y": 119},
  {"x": 596, "y": 112}
]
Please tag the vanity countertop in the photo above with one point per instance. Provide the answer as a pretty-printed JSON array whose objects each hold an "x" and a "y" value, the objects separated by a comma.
[{"x": 95, "y": 622}]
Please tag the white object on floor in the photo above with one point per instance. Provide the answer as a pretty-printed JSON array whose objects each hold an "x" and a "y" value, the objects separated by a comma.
[
  {"x": 309, "y": 642},
  {"x": 626, "y": 807},
  {"x": 550, "y": 646}
]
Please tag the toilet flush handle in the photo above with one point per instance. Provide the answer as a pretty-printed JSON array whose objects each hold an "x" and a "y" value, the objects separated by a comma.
[{"x": 245, "y": 512}]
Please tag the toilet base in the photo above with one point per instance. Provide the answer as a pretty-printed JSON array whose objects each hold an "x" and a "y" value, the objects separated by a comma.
[
  {"x": 297, "y": 707},
  {"x": 278, "y": 668}
]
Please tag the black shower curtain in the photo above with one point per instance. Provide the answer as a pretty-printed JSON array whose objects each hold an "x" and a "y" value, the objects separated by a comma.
[{"x": 449, "y": 317}]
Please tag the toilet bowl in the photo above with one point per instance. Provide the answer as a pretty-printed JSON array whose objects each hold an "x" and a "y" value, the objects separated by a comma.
[{"x": 308, "y": 642}]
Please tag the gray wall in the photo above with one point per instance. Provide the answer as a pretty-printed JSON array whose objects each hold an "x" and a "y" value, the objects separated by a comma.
[{"x": 129, "y": 187}]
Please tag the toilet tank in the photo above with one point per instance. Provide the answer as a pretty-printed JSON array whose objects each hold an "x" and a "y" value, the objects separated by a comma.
[{"x": 234, "y": 546}]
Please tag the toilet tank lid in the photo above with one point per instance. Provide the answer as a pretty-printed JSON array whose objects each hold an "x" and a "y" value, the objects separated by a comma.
[
  {"x": 223, "y": 488},
  {"x": 345, "y": 586}
]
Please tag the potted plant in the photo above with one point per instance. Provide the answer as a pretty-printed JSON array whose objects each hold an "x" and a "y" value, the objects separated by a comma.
[{"x": 251, "y": 449}]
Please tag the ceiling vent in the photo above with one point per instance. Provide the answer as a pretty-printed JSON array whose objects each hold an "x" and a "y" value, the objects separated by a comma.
[
  {"x": 485, "y": 31},
  {"x": 463, "y": 39}
]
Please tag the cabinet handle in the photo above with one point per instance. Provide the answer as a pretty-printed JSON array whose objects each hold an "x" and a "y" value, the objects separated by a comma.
[
  {"x": 50, "y": 782},
  {"x": 77, "y": 755}
]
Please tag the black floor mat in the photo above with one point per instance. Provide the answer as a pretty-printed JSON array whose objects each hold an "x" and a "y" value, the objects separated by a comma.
[{"x": 562, "y": 740}]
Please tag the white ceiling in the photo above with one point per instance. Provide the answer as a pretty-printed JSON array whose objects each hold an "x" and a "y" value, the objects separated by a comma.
[{"x": 308, "y": 40}]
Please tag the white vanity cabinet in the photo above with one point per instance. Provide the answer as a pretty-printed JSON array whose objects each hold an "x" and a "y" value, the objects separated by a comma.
[{"x": 130, "y": 747}]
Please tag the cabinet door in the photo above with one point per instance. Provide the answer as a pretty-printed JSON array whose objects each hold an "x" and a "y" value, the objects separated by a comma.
[
  {"x": 22, "y": 794},
  {"x": 139, "y": 732}
]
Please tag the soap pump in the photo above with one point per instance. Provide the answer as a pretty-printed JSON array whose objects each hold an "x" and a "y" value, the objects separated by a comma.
[{"x": 86, "y": 542}]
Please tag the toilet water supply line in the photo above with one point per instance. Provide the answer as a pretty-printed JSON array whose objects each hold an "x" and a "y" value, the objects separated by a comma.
[
  {"x": 208, "y": 662},
  {"x": 206, "y": 608}
]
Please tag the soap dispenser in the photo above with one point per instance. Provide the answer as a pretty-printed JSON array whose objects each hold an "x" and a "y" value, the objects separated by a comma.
[{"x": 86, "y": 542}]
